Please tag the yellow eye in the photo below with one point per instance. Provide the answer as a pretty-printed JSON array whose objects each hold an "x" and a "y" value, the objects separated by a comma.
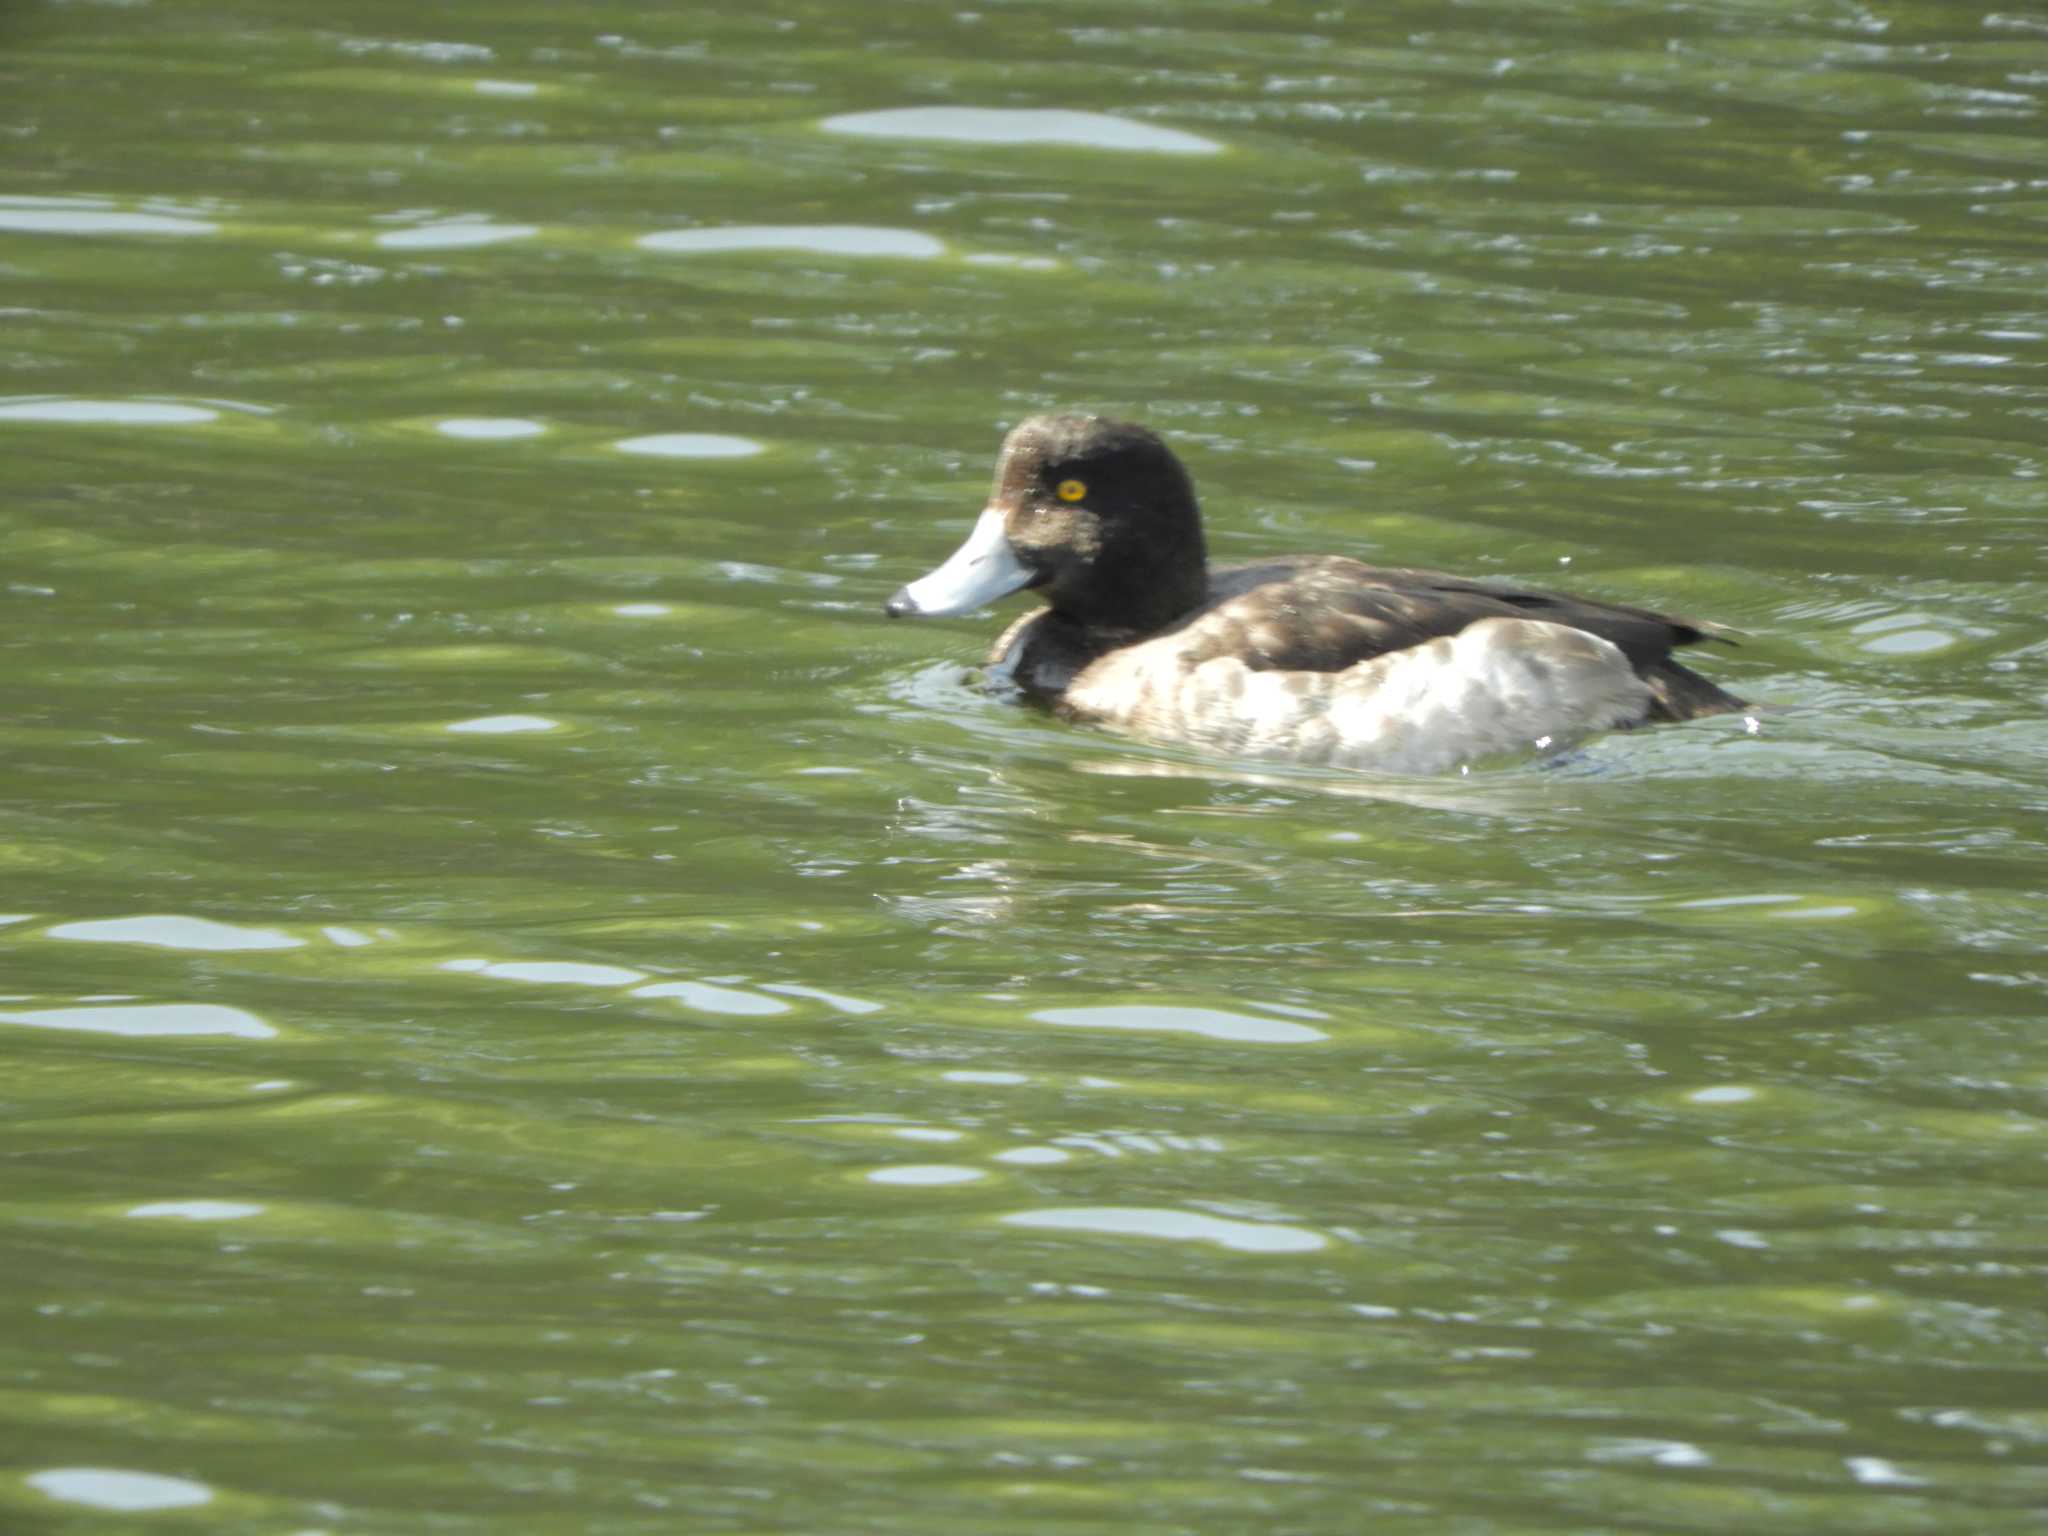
[{"x": 1071, "y": 490}]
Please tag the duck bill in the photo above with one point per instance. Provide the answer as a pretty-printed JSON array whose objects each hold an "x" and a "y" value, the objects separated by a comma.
[{"x": 983, "y": 569}]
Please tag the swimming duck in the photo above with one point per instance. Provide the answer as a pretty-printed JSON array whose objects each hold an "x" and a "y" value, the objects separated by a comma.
[{"x": 1315, "y": 659}]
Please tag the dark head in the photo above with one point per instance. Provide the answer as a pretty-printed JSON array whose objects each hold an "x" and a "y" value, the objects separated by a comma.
[{"x": 1097, "y": 514}]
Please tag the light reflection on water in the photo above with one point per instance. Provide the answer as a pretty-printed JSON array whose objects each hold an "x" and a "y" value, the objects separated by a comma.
[
  {"x": 1211, "y": 1023},
  {"x": 925, "y": 1175},
  {"x": 197, "y": 1210},
  {"x": 691, "y": 445},
  {"x": 1022, "y": 126},
  {"x": 174, "y": 932},
  {"x": 82, "y": 216},
  {"x": 819, "y": 239},
  {"x": 113, "y": 413},
  {"x": 1174, "y": 1226},
  {"x": 503, "y": 725},
  {"x": 142, "y": 1021},
  {"x": 455, "y": 235},
  {"x": 112, "y": 1488},
  {"x": 490, "y": 428}
]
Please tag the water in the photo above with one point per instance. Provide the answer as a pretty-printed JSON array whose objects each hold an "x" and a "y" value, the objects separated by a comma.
[{"x": 526, "y": 1000}]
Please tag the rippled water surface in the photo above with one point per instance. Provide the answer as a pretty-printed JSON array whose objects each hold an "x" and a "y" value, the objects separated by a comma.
[{"x": 527, "y": 1004}]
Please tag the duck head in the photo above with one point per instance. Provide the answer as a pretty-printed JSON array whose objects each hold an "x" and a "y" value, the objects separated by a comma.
[{"x": 1096, "y": 514}]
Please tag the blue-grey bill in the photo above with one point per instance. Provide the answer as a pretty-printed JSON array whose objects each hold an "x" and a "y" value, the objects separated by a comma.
[{"x": 980, "y": 571}]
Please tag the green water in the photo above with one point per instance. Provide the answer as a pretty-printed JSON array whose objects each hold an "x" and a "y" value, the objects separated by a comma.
[{"x": 526, "y": 1004}]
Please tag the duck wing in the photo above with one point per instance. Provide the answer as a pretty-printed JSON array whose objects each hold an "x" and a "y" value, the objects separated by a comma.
[{"x": 1324, "y": 613}]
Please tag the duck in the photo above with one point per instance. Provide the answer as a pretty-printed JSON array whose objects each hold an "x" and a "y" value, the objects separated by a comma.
[{"x": 1316, "y": 660}]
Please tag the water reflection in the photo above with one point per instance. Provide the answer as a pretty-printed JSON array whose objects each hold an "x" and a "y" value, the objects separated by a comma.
[
  {"x": 1725, "y": 1093},
  {"x": 709, "y": 997},
  {"x": 198, "y": 1210},
  {"x": 148, "y": 1020},
  {"x": 503, "y": 725},
  {"x": 93, "y": 216},
  {"x": 1173, "y": 1226},
  {"x": 1213, "y": 1023},
  {"x": 1022, "y": 126},
  {"x": 490, "y": 428},
  {"x": 548, "y": 972},
  {"x": 926, "y": 1174},
  {"x": 110, "y": 413},
  {"x": 837, "y": 1001},
  {"x": 455, "y": 235},
  {"x": 1876, "y": 1472},
  {"x": 111, "y": 1488},
  {"x": 1664, "y": 1453},
  {"x": 172, "y": 932},
  {"x": 691, "y": 445},
  {"x": 817, "y": 239}
]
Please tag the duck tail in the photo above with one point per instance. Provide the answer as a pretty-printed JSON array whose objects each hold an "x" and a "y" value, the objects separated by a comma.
[{"x": 1679, "y": 693}]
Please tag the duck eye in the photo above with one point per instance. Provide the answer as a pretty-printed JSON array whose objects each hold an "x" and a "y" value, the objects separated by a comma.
[{"x": 1071, "y": 490}]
